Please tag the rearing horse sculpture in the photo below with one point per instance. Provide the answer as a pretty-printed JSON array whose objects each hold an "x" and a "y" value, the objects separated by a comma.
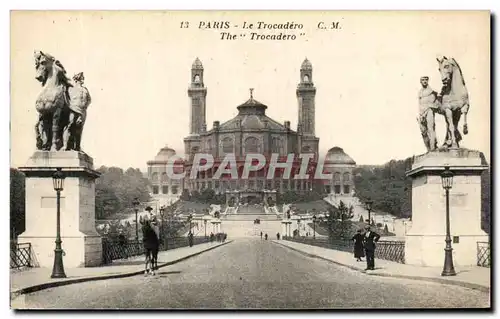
[
  {"x": 453, "y": 100},
  {"x": 61, "y": 106}
]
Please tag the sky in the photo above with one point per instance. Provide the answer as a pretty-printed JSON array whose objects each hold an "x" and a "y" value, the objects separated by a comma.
[{"x": 137, "y": 69}]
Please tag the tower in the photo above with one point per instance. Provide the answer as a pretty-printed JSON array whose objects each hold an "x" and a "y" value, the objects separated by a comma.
[
  {"x": 306, "y": 93},
  {"x": 198, "y": 94}
]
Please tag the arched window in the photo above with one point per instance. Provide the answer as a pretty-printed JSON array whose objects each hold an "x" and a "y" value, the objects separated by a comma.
[
  {"x": 163, "y": 177},
  {"x": 347, "y": 189},
  {"x": 252, "y": 145},
  {"x": 227, "y": 145},
  {"x": 208, "y": 146},
  {"x": 154, "y": 177},
  {"x": 336, "y": 177},
  {"x": 197, "y": 78},
  {"x": 276, "y": 145},
  {"x": 347, "y": 177},
  {"x": 306, "y": 78}
]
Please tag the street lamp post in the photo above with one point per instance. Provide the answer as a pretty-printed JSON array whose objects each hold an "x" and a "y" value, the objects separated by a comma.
[
  {"x": 447, "y": 183},
  {"x": 205, "y": 222},
  {"x": 136, "y": 203},
  {"x": 162, "y": 214},
  {"x": 58, "y": 269},
  {"x": 369, "y": 203},
  {"x": 314, "y": 227},
  {"x": 190, "y": 217}
]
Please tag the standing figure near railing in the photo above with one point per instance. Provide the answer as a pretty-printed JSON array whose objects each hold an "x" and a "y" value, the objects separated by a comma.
[
  {"x": 369, "y": 241},
  {"x": 358, "y": 245}
]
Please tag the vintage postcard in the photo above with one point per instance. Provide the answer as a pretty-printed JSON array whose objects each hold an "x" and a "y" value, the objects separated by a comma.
[{"x": 250, "y": 159}]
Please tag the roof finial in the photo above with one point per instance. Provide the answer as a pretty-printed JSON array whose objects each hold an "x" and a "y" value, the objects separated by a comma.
[{"x": 251, "y": 93}]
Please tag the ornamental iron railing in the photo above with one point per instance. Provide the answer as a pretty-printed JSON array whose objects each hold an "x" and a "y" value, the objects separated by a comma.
[
  {"x": 483, "y": 254},
  {"x": 20, "y": 255},
  {"x": 113, "y": 250},
  {"x": 387, "y": 250}
]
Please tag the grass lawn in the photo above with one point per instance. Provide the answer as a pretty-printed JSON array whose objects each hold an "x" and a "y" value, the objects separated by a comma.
[
  {"x": 319, "y": 205},
  {"x": 186, "y": 206},
  {"x": 322, "y": 229}
]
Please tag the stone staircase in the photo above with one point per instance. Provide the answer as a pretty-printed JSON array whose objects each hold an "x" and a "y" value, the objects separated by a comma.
[
  {"x": 251, "y": 210},
  {"x": 246, "y": 228},
  {"x": 240, "y": 222},
  {"x": 248, "y": 217}
]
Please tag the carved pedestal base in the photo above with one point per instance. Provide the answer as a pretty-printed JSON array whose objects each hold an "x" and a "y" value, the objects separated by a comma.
[
  {"x": 80, "y": 241},
  {"x": 425, "y": 241}
]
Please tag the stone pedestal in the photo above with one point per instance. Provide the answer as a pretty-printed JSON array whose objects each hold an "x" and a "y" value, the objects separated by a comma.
[
  {"x": 425, "y": 241},
  {"x": 285, "y": 228},
  {"x": 80, "y": 241}
]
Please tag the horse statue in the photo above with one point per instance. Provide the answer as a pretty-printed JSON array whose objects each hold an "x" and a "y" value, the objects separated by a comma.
[
  {"x": 62, "y": 105},
  {"x": 453, "y": 101}
]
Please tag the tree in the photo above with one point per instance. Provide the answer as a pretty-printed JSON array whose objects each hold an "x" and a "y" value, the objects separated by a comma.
[
  {"x": 360, "y": 218},
  {"x": 332, "y": 222},
  {"x": 116, "y": 189},
  {"x": 17, "y": 202},
  {"x": 345, "y": 214},
  {"x": 387, "y": 185}
]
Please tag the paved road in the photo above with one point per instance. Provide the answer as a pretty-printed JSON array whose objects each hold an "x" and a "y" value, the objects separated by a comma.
[{"x": 256, "y": 274}]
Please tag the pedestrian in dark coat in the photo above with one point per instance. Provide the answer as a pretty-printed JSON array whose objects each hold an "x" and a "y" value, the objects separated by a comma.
[
  {"x": 358, "y": 246},
  {"x": 190, "y": 239},
  {"x": 369, "y": 240}
]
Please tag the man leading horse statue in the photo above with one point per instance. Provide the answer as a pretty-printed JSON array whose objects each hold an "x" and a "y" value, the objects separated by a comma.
[
  {"x": 452, "y": 102},
  {"x": 62, "y": 106}
]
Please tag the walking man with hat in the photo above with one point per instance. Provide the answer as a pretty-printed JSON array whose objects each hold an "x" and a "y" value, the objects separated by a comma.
[{"x": 369, "y": 241}]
